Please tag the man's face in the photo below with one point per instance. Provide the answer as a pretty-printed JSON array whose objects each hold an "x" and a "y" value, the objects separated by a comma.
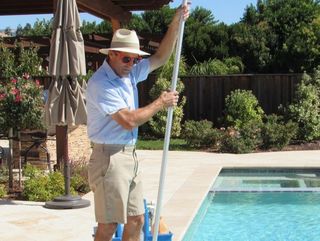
[{"x": 122, "y": 62}]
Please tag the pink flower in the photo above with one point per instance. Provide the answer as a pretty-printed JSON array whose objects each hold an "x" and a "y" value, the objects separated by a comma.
[
  {"x": 14, "y": 81},
  {"x": 18, "y": 98},
  {"x": 26, "y": 76},
  {"x": 2, "y": 96},
  {"x": 37, "y": 82},
  {"x": 15, "y": 91}
]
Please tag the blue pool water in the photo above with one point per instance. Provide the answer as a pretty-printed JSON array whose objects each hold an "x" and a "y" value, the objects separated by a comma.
[{"x": 257, "y": 216}]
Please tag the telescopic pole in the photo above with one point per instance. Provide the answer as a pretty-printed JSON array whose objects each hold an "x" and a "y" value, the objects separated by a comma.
[{"x": 168, "y": 128}]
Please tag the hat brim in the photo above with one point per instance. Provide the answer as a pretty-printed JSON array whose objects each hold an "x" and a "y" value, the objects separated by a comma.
[{"x": 127, "y": 50}]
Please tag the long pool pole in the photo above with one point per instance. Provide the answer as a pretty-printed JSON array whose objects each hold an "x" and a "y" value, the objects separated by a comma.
[{"x": 168, "y": 128}]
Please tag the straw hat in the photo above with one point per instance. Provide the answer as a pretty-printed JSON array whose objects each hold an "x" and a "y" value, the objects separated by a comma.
[{"x": 126, "y": 41}]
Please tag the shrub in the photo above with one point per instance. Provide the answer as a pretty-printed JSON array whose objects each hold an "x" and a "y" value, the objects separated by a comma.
[
  {"x": 80, "y": 183},
  {"x": 210, "y": 67},
  {"x": 276, "y": 133},
  {"x": 167, "y": 69},
  {"x": 242, "y": 107},
  {"x": 40, "y": 186},
  {"x": 79, "y": 176},
  {"x": 234, "y": 64},
  {"x": 158, "y": 121},
  {"x": 231, "y": 65},
  {"x": 3, "y": 191},
  {"x": 200, "y": 133},
  {"x": 21, "y": 104},
  {"x": 243, "y": 140},
  {"x": 305, "y": 109},
  {"x": 30, "y": 171},
  {"x": 231, "y": 142},
  {"x": 7, "y": 66},
  {"x": 27, "y": 61},
  {"x": 4, "y": 173}
]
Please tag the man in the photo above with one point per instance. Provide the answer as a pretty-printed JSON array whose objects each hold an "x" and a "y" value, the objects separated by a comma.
[{"x": 113, "y": 118}]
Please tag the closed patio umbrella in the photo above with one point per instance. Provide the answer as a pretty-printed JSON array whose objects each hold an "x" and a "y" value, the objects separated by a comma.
[{"x": 65, "y": 105}]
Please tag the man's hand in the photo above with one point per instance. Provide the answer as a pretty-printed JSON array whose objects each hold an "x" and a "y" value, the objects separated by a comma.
[
  {"x": 168, "y": 42},
  {"x": 130, "y": 119},
  {"x": 169, "y": 98},
  {"x": 182, "y": 10}
]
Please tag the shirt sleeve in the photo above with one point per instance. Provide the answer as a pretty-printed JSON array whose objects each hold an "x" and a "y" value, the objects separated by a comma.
[
  {"x": 141, "y": 70},
  {"x": 108, "y": 99}
]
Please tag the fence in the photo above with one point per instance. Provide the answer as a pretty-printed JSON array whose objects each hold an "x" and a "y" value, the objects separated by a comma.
[{"x": 206, "y": 94}]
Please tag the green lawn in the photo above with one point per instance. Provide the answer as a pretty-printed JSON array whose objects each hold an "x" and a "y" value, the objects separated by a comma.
[{"x": 175, "y": 144}]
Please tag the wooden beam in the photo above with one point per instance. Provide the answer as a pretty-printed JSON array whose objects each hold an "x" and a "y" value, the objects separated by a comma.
[
  {"x": 54, "y": 4},
  {"x": 105, "y": 9},
  {"x": 115, "y": 24}
]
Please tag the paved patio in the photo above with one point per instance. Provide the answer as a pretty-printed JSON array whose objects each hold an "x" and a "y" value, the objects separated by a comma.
[{"x": 188, "y": 180}]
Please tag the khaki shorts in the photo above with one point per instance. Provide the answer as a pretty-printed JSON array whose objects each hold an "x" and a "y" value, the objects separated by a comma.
[{"x": 115, "y": 179}]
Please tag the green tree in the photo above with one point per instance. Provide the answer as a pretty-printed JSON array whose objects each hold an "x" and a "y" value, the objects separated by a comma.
[
  {"x": 88, "y": 27},
  {"x": 199, "y": 30},
  {"x": 252, "y": 44},
  {"x": 289, "y": 30},
  {"x": 7, "y": 63},
  {"x": 8, "y": 31},
  {"x": 26, "y": 61},
  {"x": 93, "y": 27},
  {"x": 19, "y": 30},
  {"x": 40, "y": 28},
  {"x": 138, "y": 24},
  {"x": 29, "y": 61},
  {"x": 104, "y": 27},
  {"x": 158, "y": 20}
]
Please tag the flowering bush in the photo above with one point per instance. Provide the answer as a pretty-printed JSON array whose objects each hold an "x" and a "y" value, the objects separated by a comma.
[{"x": 21, "y": 104}]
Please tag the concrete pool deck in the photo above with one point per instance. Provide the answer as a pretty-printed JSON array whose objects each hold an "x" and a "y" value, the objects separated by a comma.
[{"x": 188, "y": 180}]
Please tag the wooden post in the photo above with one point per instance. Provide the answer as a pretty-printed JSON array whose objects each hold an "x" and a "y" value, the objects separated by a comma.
[
  {"x": 10, "y": 160},
  {"x": 115, "y": 24},
  {"x": 19, "y": 159},
  {"x": 54, "y": 7}
]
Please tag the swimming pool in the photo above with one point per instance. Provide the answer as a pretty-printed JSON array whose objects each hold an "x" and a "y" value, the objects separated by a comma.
[{"x": 260, "y": 210}]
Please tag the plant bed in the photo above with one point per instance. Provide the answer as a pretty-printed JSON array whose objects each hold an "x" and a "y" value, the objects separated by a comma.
[{"x": 39, "y": 185}]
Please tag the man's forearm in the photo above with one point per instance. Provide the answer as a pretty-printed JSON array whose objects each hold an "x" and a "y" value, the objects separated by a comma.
[
  {"x": 130, "y": 119},
  {"x": 142, "y": 115},
  {"x": 167, "y": 44}
]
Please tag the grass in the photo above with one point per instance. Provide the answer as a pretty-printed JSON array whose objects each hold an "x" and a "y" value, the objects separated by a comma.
[{"x": 157, "y": 144}]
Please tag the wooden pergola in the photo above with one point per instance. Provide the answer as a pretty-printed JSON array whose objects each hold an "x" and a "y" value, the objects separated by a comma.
[
  {"x": 92, "y": 43},
  {"x": 116, "y": 11}
]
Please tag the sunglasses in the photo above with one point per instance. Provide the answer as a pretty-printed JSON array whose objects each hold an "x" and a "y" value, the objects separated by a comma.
[{"x": 127, "y": 59}]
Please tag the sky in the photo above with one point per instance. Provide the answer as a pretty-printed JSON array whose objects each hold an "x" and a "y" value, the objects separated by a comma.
[{"x": 227, "y": 11}]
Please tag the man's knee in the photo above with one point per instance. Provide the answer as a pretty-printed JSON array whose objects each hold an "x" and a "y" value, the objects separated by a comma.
[
  {"x": 105, "y": 231},
  {"x": 137, "y": 221}
]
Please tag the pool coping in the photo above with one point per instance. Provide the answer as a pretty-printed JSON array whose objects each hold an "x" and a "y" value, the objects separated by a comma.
[
  {"x": 179, "y": 211},
  {"x": 188, "y": 179}
]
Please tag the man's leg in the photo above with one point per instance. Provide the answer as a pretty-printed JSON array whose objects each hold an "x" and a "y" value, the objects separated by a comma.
[
  {"x": 105, "y": 231},
  {"x": 133, "y": 228}
]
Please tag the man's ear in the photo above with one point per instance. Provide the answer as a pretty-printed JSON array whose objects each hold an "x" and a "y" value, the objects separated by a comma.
[{"x": 111, "y": 54}]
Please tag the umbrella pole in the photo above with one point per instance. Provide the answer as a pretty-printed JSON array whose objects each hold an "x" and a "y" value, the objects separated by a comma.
[
  {"x": 67, "y": 201},
  {"x": 63, "y": 130},
  {"x": 168, "y": 129}
]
